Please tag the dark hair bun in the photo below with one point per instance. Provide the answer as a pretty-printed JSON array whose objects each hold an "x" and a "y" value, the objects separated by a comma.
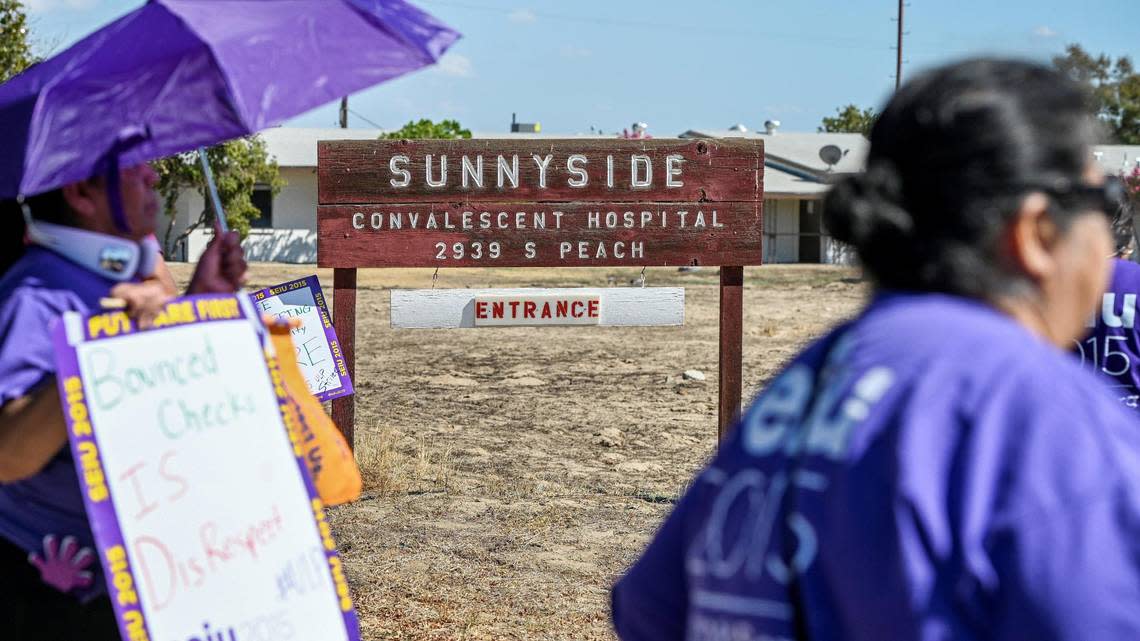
[
  {"x": 866, "y": 209},
  {"x": 950, "y": 156}
]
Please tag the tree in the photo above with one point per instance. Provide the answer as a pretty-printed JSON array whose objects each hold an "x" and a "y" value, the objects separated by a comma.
[
  {"x": 238, "y": 165},
  {"x": 425, "y": 128},
  {"x": 850, "y": 119},
  {"x": 1115, "y": 86},
  {"x": 15, "y": 50}
]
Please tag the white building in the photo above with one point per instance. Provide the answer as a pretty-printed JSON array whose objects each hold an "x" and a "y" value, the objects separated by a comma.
[
  {"x": 287, "y": 229},
  {"x": 795, "y": 181}
]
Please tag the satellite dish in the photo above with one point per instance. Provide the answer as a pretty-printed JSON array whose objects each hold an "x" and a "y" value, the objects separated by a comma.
[{"x": 831, "y": 155}]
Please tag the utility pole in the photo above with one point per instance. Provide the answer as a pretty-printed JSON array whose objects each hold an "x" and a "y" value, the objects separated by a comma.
[
  {"x": 898, "y": 49},
  {"x": 344, "y": 111}
]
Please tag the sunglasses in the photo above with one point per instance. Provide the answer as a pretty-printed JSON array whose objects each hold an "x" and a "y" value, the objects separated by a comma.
[{"x": 1108, "y": 198}]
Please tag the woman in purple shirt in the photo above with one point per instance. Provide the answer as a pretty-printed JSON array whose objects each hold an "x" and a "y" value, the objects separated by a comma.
[
  {"x": 50, "y": 585},
  {"x": 1112, "y": 349},
  {"x": 937, "y": 467}
]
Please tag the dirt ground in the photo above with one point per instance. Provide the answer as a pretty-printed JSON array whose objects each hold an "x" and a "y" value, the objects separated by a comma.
[{"x": 512, "y": 474}]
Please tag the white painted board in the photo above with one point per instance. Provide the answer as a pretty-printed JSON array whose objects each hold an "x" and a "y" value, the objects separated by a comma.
[
  {"x": 203, "y": 515},
  {"x": 620, "y": 306}
]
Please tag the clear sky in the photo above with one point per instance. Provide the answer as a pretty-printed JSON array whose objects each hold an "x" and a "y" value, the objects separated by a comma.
[{"x": 577, "y": 64}]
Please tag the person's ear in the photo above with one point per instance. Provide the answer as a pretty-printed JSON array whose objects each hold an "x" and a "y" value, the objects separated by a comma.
[
  {"x": 1031, "y": 237},
  {"x": 83, "y": 198}
]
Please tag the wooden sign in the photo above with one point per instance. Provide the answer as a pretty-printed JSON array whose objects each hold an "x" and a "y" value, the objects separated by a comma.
[
  {"x": 318, "y": 351},
  {"x": 542, "y": 203},
  {"x": 206, "y": 520},
  {"x": 611, "y": 306},
  {"x": 501, "y": 203}
]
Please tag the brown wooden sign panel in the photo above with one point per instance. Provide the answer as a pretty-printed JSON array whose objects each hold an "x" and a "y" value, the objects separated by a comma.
[
  {"x": 540, "y": 203},
  {"x": 564, "y": 235},
  {"x": 536, "y": 170}
]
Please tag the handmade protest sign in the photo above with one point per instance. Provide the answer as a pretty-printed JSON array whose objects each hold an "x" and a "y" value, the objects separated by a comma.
[
  {"x": 187, "y": 448},
  {"x": 319, "y": 355}
]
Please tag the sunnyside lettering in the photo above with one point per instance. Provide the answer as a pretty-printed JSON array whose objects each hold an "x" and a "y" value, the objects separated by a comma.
[{"x": 501, "y": 173}]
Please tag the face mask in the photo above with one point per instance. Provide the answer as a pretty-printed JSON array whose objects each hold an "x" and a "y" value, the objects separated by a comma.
[{"x": 114, "y": 258}]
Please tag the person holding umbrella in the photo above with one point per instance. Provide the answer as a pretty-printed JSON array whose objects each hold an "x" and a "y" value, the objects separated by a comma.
[
  {"x": 45, "y": 544},
  {"x": 169, "y": 77}
]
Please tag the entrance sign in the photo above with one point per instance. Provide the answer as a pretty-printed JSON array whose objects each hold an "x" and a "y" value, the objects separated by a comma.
[
  {"x": 206, "y": 520},
  {"x": 612, "y": 306},
  {"x": 537, "y": 203},
  {"x": 542, "y": 203},
  {"x": 505, "y": 310},
  {"x": 319, "y": 356}
]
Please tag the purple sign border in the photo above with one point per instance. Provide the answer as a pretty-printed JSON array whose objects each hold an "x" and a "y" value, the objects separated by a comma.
[
  {"x": 102, "y": 514},
  {"x": 313, "y": 284}
]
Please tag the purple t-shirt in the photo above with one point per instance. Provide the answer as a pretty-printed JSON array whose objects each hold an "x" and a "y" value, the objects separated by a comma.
[
  {"x": 37, "y": 289},
  {"x": 1113, "y": 347},
  {"x": 928, "y": 471}
]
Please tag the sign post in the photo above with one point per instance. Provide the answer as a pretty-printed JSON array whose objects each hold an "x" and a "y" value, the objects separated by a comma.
[
  {"x": 541, "y": 203},
  {"x": 344, "y": 320}
]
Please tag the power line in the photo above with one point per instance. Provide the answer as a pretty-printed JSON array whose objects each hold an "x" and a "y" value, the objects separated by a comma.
[
  {"x": 834, "y": 41},
  {"x": 364, "y": 119}
]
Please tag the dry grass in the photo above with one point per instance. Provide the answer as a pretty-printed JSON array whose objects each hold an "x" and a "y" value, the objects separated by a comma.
[
  {"x": 389, "y": 471},
  {"x": 500, "y": 508}
]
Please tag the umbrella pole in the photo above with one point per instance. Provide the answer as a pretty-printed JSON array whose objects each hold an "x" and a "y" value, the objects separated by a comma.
[{"x": 219, "y": 215}]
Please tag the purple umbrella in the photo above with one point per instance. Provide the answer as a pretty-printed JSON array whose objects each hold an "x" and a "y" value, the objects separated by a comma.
[{"x": 174, "y": 75}]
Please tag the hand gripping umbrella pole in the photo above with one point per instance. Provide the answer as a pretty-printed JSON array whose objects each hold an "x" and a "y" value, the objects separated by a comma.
[
  {"x": 222, "y": 228},
  {"x": 215, "y": 202}
]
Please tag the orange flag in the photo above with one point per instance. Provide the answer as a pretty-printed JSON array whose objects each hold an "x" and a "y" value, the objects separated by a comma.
[{"x": 326, "y": 453}]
